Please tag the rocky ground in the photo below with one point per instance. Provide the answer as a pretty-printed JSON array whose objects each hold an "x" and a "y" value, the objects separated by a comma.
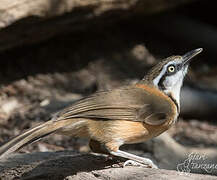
[
  {"x": 56, "y": 79},
  {"x": 40, "y": 79}
]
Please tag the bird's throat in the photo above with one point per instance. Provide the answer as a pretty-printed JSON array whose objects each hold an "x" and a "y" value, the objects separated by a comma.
[{"x": 174, "y": 95}]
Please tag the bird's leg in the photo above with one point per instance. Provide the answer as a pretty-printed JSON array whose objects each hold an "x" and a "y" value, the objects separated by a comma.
[
  {"x": 113, "y": 149},
  {"x": 98, "y": 147},
  {"x": 134, "y": 160}
]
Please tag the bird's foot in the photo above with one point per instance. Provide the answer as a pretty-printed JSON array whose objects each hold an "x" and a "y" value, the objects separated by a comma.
[
  {"x": 148, "y": 164},
  {"x": 134, "y": 160}
]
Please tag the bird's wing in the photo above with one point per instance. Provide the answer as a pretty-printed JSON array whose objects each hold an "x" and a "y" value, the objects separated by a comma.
[{"x": 127, "y": 103}]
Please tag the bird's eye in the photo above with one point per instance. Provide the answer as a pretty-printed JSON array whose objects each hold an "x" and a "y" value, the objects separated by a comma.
[{"x": 171, "y": 68}]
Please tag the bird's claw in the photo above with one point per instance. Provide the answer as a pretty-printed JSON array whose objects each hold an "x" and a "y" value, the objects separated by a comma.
[{"x": 134, "y": 163}]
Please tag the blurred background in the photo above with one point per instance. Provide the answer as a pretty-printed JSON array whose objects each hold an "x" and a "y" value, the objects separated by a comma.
[{"x": 53, "y": 53}]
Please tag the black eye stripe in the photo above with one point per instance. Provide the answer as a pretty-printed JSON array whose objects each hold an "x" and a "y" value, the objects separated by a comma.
[
  {"x": 160, "y": 83},
  {"x": 169, "y": 68},
  {"x": 177, "y": 67},
  {"x": 168, "y": 73}
]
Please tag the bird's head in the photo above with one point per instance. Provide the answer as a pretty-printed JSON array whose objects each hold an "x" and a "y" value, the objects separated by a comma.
[{"x": 168, "y": 75}]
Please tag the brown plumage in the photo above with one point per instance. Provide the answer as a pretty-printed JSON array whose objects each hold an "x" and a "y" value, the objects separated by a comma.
[{"x": 125, "y": 115}]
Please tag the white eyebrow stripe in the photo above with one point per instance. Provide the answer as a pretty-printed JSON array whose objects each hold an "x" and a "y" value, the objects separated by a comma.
[{"x": 157, "y": 79}]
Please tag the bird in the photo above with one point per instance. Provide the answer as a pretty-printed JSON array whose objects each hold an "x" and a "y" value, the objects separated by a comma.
[{"x": 129, "y": 114}]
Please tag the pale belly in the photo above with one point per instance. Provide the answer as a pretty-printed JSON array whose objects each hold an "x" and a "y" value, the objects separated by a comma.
[
  {"x": 117, "y": 131},
  {"x": 126, "y": 132}
]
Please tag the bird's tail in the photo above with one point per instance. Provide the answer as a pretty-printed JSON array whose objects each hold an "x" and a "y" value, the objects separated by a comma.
[{"x": 31, "y": 135}]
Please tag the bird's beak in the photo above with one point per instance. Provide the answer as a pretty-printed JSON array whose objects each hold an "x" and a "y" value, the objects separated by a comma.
[{"x": 189, "y": 55}]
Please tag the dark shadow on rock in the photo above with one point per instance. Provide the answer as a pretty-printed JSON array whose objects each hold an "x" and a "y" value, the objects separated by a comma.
[
  {"x": 63, "y": 166},
  {"x": 52, "y": 165}
]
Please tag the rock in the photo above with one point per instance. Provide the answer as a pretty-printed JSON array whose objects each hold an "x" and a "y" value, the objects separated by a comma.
[
  {"x": 71, "y": 166},
  {"x": 196, "y": 160},
  {"x": 32, "y": 21}
]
